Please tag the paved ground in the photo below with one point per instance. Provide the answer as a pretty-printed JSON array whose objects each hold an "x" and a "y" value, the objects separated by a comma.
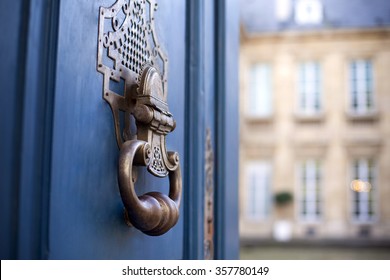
[{"x": 280, "y": 252}]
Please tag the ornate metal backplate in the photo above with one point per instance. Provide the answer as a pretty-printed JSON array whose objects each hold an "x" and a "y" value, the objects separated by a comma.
[
  {"x": 127, "y": 44},
  {"x": 209, "y": 200},
  {"x": 129, "y": 54}
]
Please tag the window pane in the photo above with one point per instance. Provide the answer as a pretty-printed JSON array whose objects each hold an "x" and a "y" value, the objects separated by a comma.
[
  {"x": 258, "y": 190},
  {"x": 363, "y": 202},
  {"x": 309, "y": 88},
  {"x": 260, "y": 92},
  {"x": 308, "y": 12},
  {"x": 310, "y": 190},
  {"x": 361, "y": 86}
]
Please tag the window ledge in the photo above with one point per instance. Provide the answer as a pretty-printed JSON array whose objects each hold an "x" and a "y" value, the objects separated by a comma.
[
  {"x": 315, "y": 117},
  {"x": 370, "y": 222},
  {"x": 255, "y": 221},
  {"x": 259, "y": 119},
  {"x": 369, "y": 116},
  {"x": 305, "y": 222}
]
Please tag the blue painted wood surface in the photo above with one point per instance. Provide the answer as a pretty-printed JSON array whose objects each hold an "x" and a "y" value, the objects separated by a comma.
[
  {"x": 195, "y": 134},
  {"x": 28, "y": 55},
  {"x": 227, "y": 129},
  {"x": 10, "y": 122},
  {"x": 86, "y": 212}
]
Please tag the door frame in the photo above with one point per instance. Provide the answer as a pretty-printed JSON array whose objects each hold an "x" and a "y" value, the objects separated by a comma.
[{"x": 226, "y": 123}]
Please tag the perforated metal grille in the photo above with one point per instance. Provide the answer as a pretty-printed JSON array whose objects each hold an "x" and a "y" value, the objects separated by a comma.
[
  {"x": 126, "y": 37},
  {"x": 132, "y": 49}
]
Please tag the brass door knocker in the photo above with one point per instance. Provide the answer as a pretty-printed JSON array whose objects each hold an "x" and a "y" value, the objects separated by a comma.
[{"x": 130, "y": 45}]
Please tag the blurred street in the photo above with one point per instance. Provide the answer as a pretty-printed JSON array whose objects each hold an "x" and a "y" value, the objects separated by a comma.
[{"x": 315, "y": 252}]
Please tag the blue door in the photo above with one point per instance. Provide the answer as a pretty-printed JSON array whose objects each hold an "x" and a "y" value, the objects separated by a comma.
[{"x": 60, "y": 195}]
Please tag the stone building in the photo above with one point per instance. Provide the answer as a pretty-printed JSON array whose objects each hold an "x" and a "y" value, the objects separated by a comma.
[{"x": 315, "y": 119}]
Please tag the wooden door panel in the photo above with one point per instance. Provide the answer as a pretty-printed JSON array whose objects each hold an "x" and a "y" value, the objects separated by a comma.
[{"x": 86, "y": 211}]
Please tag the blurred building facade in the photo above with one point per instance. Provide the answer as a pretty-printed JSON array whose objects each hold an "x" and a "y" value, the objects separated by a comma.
[{"x": 315, "y": 119}]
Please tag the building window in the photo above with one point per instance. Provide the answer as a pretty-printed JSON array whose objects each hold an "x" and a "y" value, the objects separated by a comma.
[
  {"x": 283, "y": 10},
  {"x": 309, "y": 88},
  {"x": 363, "y": 195},
  {"x": 308, "y": 12},
  {"x": 258, "y": 181},
  {"x": 361, "y": 87},
  {"x": 260, "y": 92},
  {"x": 310, "y": 190}
]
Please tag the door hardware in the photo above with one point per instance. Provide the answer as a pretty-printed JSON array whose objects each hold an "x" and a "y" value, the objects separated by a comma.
[
  {"x": 128, "y": 52},
  {"x": 209, "y": 199}
]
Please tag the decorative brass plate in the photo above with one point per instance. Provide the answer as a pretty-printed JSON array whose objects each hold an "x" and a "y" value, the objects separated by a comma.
[
  {"x": 127, "y": 43},
  {"x": 129, "y": 53}
]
